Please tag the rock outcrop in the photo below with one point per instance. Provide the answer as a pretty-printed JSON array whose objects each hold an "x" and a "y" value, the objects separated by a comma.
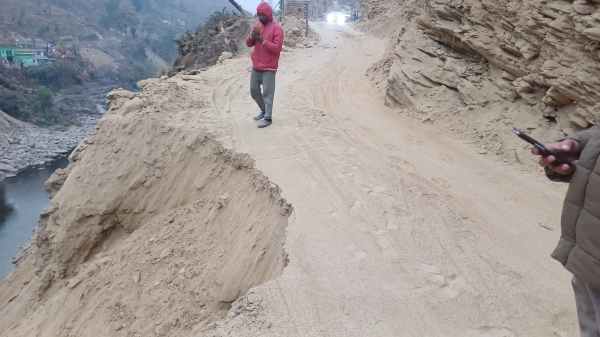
[
  {"x": 544, "y": 52},
  {"x": 478, "y": 65},
  {"x": 550, "y": 48}
]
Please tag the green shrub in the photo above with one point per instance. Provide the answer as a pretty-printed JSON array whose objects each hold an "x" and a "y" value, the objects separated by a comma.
[
  {"x": 57, "y": 75},
  {"x": 44, "y": 99},
  {"x": 16, "y": 104}
]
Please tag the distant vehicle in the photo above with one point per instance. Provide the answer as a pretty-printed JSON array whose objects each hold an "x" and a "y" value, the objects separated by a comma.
[{"x": 337, "y": 18}]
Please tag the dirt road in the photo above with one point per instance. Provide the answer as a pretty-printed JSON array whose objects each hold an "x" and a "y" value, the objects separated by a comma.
[{"x": 400, "y": 230}]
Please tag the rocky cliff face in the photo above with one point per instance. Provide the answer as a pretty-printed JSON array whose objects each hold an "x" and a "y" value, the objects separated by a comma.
[
  {"x": 550, "y": 48},
  {"x": 525, "y": 63}
]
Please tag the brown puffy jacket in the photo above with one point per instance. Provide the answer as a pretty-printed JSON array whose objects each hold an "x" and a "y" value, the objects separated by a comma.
[{"x": 579, "y": 246}]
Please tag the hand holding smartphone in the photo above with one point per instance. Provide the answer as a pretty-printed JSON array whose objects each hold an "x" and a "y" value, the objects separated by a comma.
[{"x": 560, "y": 156}]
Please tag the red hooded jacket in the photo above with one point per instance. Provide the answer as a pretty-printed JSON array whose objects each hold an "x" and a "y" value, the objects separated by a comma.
[{"x": 266, "y": 54}]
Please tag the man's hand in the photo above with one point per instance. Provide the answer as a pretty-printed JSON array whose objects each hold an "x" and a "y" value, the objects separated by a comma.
[
  {"x": 568, "y": 148},
  {"x": 257, "y": 32},
  {"x": 256, "y": 36}
]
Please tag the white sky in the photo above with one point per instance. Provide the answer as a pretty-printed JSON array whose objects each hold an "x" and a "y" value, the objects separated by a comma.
[{"x": 250, "y": 5}]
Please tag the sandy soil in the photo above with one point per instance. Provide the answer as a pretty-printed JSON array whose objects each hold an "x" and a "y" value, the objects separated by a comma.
[
  {"x": 154, "y": 229},
  {"x": 399, "y": 229}
]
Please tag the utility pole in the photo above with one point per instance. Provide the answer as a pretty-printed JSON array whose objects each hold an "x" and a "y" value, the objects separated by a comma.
[{"x": 238, "y": 7}]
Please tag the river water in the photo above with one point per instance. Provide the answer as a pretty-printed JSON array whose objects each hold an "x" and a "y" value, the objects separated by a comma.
[{"x": 22, "y": 199}]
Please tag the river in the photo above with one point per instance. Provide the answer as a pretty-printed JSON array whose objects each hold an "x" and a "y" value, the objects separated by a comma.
[{"x": 22, "y": 198}]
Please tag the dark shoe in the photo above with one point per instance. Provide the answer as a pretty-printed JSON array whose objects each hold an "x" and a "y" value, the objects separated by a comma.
[
  {"x": 264, "y": 123},
  {"x": 259, "y": 116}
]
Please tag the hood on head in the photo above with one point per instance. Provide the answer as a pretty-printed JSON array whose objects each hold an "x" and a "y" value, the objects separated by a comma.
[{"x": 266, "y": 10}]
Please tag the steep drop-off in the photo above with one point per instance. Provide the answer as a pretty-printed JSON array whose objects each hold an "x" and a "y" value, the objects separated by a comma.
[{"x": 154, "y": 229}]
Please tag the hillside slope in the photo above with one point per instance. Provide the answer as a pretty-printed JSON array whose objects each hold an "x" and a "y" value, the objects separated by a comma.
[
  {"x": 122, "y": 39},
  {"x": 98, "y": 45}
]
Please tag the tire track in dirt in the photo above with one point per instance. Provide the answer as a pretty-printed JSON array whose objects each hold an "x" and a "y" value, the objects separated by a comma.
[{"x": 386, "y": 236}]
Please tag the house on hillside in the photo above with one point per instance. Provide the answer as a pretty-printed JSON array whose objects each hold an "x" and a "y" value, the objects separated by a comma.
[
  {"x": 7, "y": 53},
  {"x": 24, "y": 57},
  {"x": 31, "y": 57}
]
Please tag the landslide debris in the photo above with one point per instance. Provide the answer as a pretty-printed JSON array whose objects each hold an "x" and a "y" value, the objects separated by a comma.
[
  {"x": 219, "y": 38},
  {"x": 154, "y": 228}
]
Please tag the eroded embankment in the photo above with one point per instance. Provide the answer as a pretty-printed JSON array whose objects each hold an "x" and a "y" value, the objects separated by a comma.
[{"x": 154, "y": 230}]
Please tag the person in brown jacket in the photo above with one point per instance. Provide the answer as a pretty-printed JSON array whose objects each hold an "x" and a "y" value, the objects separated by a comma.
[{"x": 579, "y": 247}]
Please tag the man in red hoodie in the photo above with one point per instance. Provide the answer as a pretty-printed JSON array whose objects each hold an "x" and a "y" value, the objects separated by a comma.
[{"x": 267, "y": 40}]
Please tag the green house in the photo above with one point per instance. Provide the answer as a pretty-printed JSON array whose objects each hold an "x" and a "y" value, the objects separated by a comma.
[
  {"x": 26, "y": 57},
  {"x": 7, "y": 53}
]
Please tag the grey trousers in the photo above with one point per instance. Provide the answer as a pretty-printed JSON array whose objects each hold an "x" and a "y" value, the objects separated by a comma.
[
  {"x": 263, "y": 96},
  {"x": 588, "y": 308}
]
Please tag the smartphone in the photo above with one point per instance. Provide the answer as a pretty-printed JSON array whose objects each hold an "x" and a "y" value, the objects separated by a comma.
[{"x": 544, "y": 151}]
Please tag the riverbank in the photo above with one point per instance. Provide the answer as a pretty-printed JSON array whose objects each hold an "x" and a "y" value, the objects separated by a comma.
[
  {"x": 27, "y": 145},
  {"x": 23, "y": 145},
  {"x": 22, "y": 199}
]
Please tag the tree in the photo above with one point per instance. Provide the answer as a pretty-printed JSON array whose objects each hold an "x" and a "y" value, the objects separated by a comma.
[{"x": 44, "y": 100}]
